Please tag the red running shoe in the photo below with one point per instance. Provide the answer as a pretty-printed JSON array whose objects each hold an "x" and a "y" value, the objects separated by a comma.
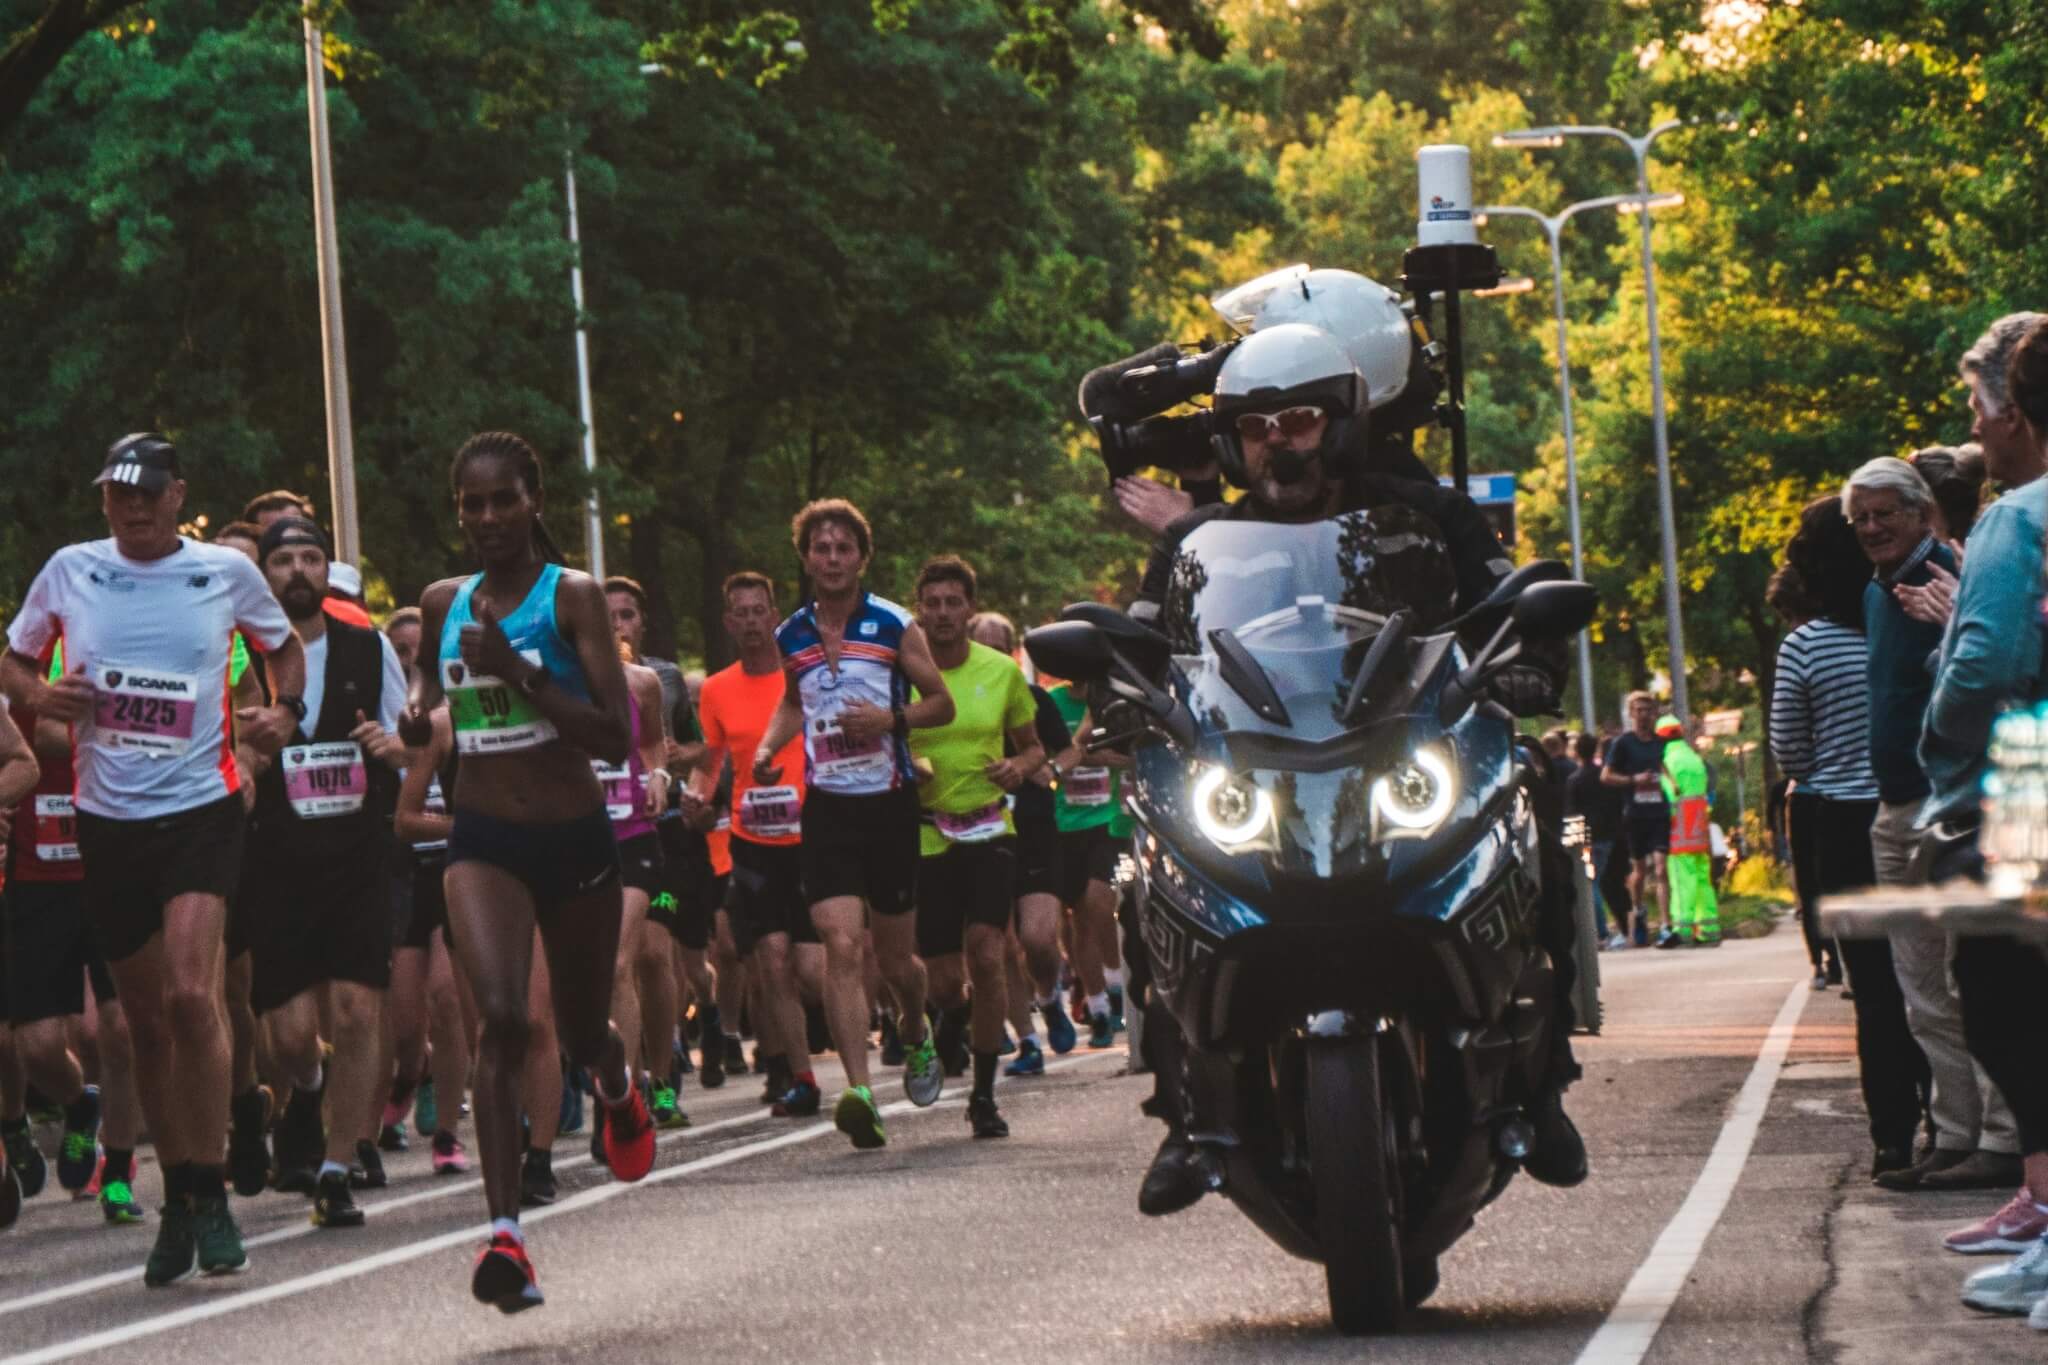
[
  {"x": 504, "y": 1277},
  {"x": 629, "y": 1138}
]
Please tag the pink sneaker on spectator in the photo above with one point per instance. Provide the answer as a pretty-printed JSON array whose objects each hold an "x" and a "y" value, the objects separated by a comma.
[{"x": 2013, "y": 1228}]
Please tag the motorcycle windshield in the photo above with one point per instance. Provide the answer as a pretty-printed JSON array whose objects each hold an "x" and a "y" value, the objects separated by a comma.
[{"x": 1305, "y": 602}]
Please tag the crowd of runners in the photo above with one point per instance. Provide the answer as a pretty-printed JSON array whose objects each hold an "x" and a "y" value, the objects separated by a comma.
[{"x": 283, "y": 883}]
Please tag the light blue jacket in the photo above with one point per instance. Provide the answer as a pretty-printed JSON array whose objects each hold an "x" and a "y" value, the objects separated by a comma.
[{"x": 1991, "y": 652}]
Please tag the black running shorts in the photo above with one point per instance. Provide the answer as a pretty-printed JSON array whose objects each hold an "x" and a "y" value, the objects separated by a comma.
[
  {"x": 967, "y": 884},
  {"x": 766, "y": 895},
  {"x": 134, "y": 868},
  {"x": 864, "y": 846},
  {"x": 312, "y": 921},
  {"x": 1038, "y": 855},
  {"x": 1087, "y": 855},
  {"x": 49, "y": 949}
]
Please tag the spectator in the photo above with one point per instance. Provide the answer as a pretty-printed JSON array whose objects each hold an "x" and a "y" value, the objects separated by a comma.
[
  {"x": 1557, "y": 749},
  {"x": 1955, "y": 475},
  {"x": 1635, "y": 764},
  {"x": 1820, "y": 736},
  {"x": 1990, "y": 656},
  {"x": 1695, "y": 913},
  {"x": 1791, "y": 813},
  {"x": 1600, "y": 806},
  {"x": 1895, "y": 513}
]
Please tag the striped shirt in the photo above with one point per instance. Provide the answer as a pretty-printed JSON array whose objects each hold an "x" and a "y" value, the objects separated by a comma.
[{"x": 1820, "y": 712}]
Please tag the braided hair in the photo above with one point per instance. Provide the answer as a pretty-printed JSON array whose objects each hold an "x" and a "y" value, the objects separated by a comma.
[{"x": 507, "y": 445}]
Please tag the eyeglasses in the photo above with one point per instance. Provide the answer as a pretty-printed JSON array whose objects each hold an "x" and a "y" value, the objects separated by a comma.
[
  {"x": 1288, "y": 422},
  {"x": 1878, "y": 516}
]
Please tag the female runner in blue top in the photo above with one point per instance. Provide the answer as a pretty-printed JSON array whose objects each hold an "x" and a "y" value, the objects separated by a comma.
[{"x": 527, "y": 664}]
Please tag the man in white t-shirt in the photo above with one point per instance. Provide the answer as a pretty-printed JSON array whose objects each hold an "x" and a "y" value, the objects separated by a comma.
[{"x": 148, "y": 620}]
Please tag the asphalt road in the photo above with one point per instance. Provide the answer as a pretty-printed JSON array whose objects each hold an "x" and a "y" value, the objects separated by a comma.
[{"x": 758, "y": 1239}]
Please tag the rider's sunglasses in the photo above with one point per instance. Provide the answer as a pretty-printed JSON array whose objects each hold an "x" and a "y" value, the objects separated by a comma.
[{"x": 1288, "y": 423}]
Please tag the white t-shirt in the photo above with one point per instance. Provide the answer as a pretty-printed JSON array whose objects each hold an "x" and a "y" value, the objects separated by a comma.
[
  {"x": 155, "y": 639},
  {"x": 389, "y": 704}
]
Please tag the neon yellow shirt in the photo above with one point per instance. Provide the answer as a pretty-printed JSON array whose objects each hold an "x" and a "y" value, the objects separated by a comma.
[{"x": 990, "y": 698}]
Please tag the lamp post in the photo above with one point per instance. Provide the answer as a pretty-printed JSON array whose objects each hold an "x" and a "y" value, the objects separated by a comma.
[
  {"x": 341, "y": 444},
  {"x": 1553, "y": 228},
  {"x": 1640, "y": 145}
]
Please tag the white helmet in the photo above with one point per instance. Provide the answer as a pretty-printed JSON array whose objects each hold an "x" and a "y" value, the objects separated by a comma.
[
  {"x": 1286, "y": 365},
  {"x": 1363, "y": 315}
]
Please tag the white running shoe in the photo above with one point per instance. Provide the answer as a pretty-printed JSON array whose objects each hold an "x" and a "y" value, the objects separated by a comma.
[{"x": 2013, "y": 1287}]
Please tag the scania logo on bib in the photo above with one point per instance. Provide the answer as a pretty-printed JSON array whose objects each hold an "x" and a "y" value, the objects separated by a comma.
[
  {"x": 113, "y": 677},
  {"x": 455, "y": 671}
]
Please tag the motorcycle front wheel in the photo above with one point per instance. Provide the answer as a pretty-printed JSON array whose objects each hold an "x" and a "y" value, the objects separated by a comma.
[{"x": 1353, "y": 1156}]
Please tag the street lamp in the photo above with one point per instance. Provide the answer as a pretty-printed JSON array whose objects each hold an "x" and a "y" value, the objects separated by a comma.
[
  {"x": 1554, "y": 137},
  {"x": 1553, "y": 228},
  {"x": 341, "y": 445}
]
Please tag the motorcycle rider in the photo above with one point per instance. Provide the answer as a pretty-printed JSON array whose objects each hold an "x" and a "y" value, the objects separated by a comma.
[{"x": 1290, "y": 408}]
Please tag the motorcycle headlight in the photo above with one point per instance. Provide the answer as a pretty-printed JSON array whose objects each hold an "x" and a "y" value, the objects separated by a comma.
[
  {"x": 1413, "y": 797},
  {"x": 1231, "y": 811}
]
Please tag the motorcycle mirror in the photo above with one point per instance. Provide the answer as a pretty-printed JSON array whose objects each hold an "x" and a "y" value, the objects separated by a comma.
[
  {"x": 1076, "y": 650},
  {"x": 1144, "y": 647},
  {"x": 1512, "y": 587},
  {"x": 1554, "y": 610}
]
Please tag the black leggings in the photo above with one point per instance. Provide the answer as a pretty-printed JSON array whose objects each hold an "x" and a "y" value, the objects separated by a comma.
[
  {"x": 1800, "y": 815},
  {"x": 1895, "y": 1076},
  {"x": 2003, "y": 982}
]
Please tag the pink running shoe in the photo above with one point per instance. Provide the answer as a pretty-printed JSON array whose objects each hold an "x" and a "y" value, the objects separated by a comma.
[
  {"x": 449, "y": 1158},
  {"x": 2012, "y": 1229}
]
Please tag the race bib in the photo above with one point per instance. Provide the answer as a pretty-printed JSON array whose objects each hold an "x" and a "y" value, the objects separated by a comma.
[
  {"x": 839, "y": 758},
  {"x": 324, "y": 780},
  {"x": 56, "y": 831},
  {"x": 1086, "y": 787},
  {"x": 137, "y": 708},
  {"x": 771, "y": 812},
  {"x": 620, "y": 798},
  {"x": 975, "y": 826},
  {"x": 490, "y": 715}
]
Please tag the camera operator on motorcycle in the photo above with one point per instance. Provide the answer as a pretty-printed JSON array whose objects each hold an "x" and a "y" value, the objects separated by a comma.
[{"x": 1289, "y": 419}]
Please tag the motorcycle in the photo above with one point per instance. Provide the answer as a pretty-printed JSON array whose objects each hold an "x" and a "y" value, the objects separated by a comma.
[{"x": 1339, "y": 879}]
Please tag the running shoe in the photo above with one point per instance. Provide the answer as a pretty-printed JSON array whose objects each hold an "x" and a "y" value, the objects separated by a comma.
[
  {"x": 629, "y": 1138},
  {"x": 1078, "y": 1009},
  {"x": 176, "y": 1252},
  {"x": 985, "y": 1118},
  {"x": 249, "y": 1142},
  {"x": 664, "y": 1111},
  {"x": 712, "y": 1070},
  {"x": 2014, "y": 1287},
  {"x": 1671, "y": 938},
  {"x": 395, "y": 1110},
  {"x": 449, "y": 1157},
  {"x": 78, "y": 1151},
  {"x": 10, "y": 1198},
  {"x": 117, "y": 1204},
  {"x": 800, "y": 1101},
  {"x": 1116, "y": 1007},
  {"x": 2038, "y": 1319},
  {"x": 333, "y": 1205},
  {"x": 220, "y": 1241},
  {"x": 26, "y": 1159},
  {"x": 736, "y": 1055},
  {"x": 1059, "y": 1028},
  {"x": 368, "y": 1172},
  {"x": 1030, "y": 1061},
  {"x": 1618, "y": 942},
  {"x": 504, "y": 1277},
  {"x": 1101, "y": 1031},
  {"x": 2010, "y": 1231},
  {"x": 892, "y": 1043},
  {"x": 537, "y": 1178},
  {"x": 1819, "y": 982},
  {"x": 571, "y": 1117},
  {"x": 923, "y": 1078},
  {"x": 391, "y": 1138},
  {"x": 426, "y": 1110},
  {"x": 857, "y": 1117}
]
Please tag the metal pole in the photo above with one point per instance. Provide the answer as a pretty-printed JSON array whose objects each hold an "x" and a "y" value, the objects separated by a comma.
[
  {"x": 593, "y": 516},
  {"x": 1666, "y": 515},
  {"x": 1552, "y": 228},
  {"x": 341, "y": 444}
]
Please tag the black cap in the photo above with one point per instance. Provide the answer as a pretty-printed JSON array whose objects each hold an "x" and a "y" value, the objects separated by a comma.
[
  {"x": 144, "y": 460},
  {"x": 292, "y": 531}
]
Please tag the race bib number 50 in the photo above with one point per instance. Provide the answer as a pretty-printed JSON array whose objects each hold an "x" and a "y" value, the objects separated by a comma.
[
  {"x": 490, "y": 715},
  {"x": 135, "y": 708}
]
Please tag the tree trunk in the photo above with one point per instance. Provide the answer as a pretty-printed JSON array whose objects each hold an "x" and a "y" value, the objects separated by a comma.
[
  {"x": 643, "y": 551},
  {"x": 714, "y": 536},
  {"x": 34, "y": 54}
]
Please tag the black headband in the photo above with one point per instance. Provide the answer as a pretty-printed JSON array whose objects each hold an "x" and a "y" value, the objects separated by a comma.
[{"x": 293, "y": 531}]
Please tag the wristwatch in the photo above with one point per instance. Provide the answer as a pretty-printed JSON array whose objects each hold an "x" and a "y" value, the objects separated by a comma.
[
  {"x": 294, "y": 704},
  {"x": 534, "y": 681}
]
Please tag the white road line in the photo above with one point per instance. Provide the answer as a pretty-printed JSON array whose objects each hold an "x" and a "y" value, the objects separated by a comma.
[
  {"x": 412, "y": 1251},
  {"x": 1624, "y": 1339}
]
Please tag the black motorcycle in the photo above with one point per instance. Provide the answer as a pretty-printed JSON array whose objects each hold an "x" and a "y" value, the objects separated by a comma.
[{"x": 1339, "y": 878}]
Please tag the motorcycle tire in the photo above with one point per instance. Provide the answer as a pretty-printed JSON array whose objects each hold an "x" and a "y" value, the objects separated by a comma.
[
  {"x": 1418, "y": 1281},
  {"x": 1353, "y": 1157}
]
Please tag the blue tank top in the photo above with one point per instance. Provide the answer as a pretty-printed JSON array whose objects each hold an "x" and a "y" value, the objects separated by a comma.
[{"x": 489, "y": 714}]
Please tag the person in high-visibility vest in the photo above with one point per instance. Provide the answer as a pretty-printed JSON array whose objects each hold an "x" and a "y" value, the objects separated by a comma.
[{"x": 1695, "y": 914}]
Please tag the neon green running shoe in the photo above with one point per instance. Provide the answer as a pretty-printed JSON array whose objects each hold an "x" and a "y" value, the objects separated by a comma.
[
  {"x": 924, "y": 1079},
  {"x": 857, "y": 1117},
  {"x": 117, "y": 1203},
  {"x": 667, "y": 1114}
]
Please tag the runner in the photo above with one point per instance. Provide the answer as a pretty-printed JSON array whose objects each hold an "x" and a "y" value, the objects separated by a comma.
[
  {"x": 1033, "y": 958},
  {"x": 967, "y": 879},
  {"x": 147, "y": 618},
  {"x": 525, "y": 656},
  {"x": 318, "y": 915},
  {"x": 266, "y": 508},
  {"x": 769, "y": 921},
  {"x": 23, "y": 1164},
  {"x": 1636, "y": 761},
  {"x": 1094, "y": 830},
  {"x": 849, "y": 661},
  {"x": 49, "y": 956}
]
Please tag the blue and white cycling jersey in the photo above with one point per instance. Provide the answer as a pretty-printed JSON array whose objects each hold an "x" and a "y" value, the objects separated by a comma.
[{"x": 870, "y": 670}]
